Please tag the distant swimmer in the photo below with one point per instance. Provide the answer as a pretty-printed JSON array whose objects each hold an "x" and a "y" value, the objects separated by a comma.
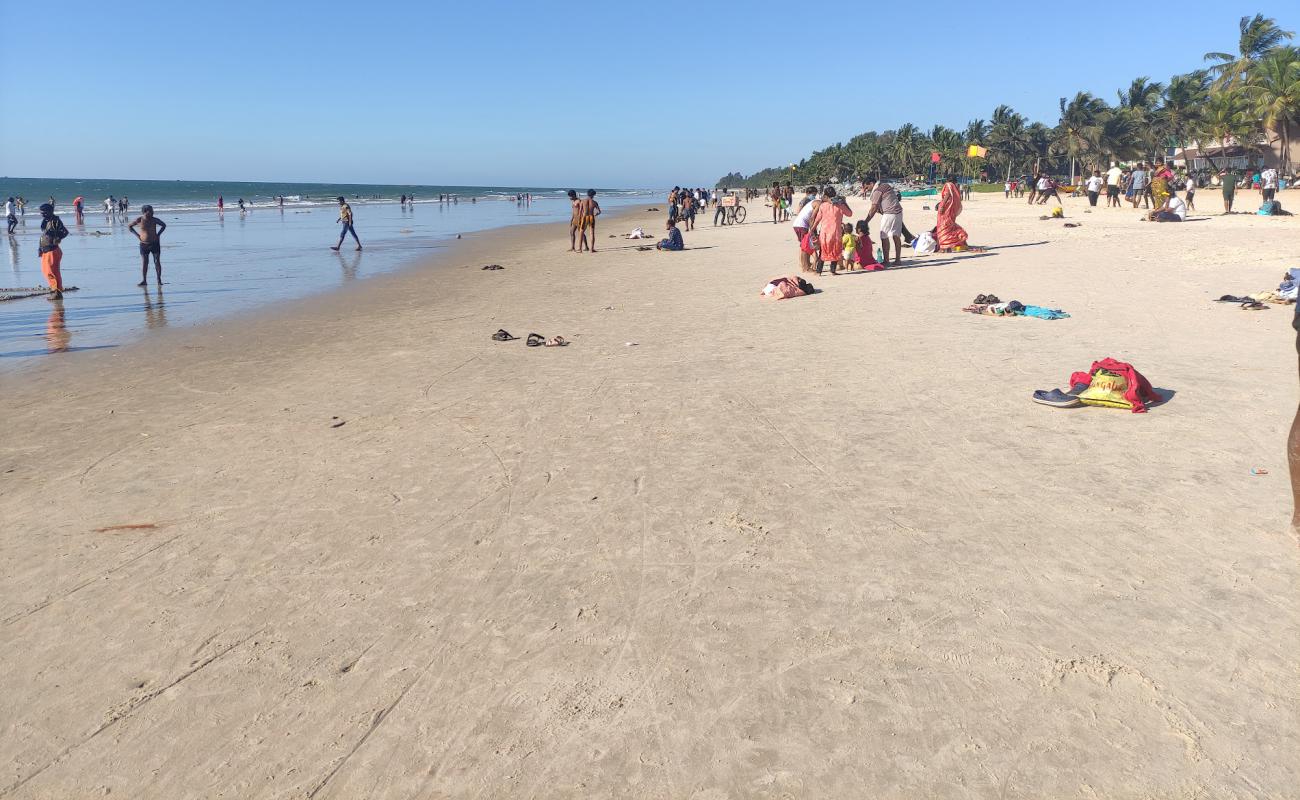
[
  {"x": 242, "y": 208},
  {"x": 221, "y": 204},
  {"x": 403, "y": 201},
  {"x": 126, "y": 204},
  {"x": 150, "y": 233},
  {"x": 53, "y": 231},
  {"x": 110, "y": 204},
  {"x": 588, "y": 210},
  {"x": 345, "y": 217},
  {"x": 78, "y": 204}
]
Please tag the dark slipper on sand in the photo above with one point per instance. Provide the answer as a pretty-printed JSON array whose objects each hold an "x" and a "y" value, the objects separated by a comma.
[
  {"x": 1056, "y": 398},
  {"x": 535, "y": 340},
  {"x": 503, "y": 335}
]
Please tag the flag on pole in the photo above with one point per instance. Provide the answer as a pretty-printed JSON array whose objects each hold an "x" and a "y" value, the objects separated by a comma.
[
  {"x": 935, "y": 158},
  {"x": 975, "y": 151}
]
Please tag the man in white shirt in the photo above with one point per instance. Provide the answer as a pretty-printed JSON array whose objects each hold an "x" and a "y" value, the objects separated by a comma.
[
  {"x": 10, "y": 219},
  {"x": 1093, "y": 185},
  {"x": 1268, "y": 183},
  {"x": 1190, "y": 186},
  {"x": 1174, "y": 210},
  {"x": 1113, "y": 176}
]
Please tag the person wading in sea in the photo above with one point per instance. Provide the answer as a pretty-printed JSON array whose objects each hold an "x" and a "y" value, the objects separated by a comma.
[
  {"x": 345, "y": 218},
  {"x": 151, "y": 229}
]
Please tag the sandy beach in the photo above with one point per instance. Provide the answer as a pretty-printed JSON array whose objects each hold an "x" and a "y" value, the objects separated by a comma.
[{"x": 719, "y": 547}]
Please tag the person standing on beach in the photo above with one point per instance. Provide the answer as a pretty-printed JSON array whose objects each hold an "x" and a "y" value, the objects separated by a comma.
[
  {"x": 1229, "y": 179},
  {"x": 1190, "y": 186},
  {"x": 886, "y": 202},
  {"x": 77, "y": 205},
  {"x": 345, "y": 218},
  {"x": 588, "y": 210},
  {"x": 774, "y": 195},
  {"x": 575, "y": 220},
  {"x": 53, "y": 231},
  {"x": 11, "y": 219},
  {"x": 151, "y": 229},
  {"x": 1093, "y": 185},
  {"x": 221, "y": 204},
  {"x": 1112, "y": 185},
  {"x": 1268, "y": 184}
]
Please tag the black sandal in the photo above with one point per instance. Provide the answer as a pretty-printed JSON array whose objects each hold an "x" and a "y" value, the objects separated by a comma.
[
  {"x": 535, "y": 340},
  {"x": 503, "y": 335}
]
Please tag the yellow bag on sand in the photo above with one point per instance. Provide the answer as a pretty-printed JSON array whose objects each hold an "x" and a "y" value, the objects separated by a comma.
[
  {"x": 1107, "y": 389},
  {"x": 1058, "y": 212}
]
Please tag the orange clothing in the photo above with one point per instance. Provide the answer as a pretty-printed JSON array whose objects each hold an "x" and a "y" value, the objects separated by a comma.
[{"x": 50, "y": 266}]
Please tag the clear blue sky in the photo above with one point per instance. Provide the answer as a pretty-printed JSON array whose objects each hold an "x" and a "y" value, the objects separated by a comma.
[{"x": 609, "y": 93}]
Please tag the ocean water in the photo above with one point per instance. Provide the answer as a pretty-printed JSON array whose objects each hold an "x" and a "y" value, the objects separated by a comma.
[
  {"x": 202, "y": 195},
  {"x": 216, "y": 265}
]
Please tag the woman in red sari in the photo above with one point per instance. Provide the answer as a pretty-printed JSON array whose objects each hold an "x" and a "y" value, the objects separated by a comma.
[{"x": 949, "y": 234}]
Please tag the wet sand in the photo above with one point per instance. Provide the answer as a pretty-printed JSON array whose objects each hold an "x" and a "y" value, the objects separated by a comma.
[{"x": 718, "y": 547}]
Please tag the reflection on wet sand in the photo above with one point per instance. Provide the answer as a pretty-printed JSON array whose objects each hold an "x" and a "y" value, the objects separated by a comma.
[
  {"x": 155, "y": 311},
  {"x": 349, "y": 263},
  {"x": 13, "y": 254},
  {"x": 57, "y": 334}
]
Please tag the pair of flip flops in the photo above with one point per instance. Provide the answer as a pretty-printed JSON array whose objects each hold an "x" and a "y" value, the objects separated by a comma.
[
  {"x": 538, "y": 340},
  {"x": 493, "y": 267},
  {"x": 1247, "y": 303},
  {"x": 986, "y": 300},
  {"x": 1059, "y": 399},
  {"x": 534, "y": 339}
]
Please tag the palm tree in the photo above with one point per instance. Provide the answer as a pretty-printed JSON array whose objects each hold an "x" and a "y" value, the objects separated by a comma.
[
  {"x": 977, "y": 130},
  {"x": 1076, "y": 135},
  {"x": 1040, "y": 143},
  {"x": 907, "y": 148},
  {"x": 1181, "y": 108},
  {"x": 1225, "y": 119},
  {"x": 1141, "y": 102},
  {"x": 1009, "y": 136},
  {"x": 1272, "y": 87},
  {"x": 1259, "y": 35},
  {"x": 1117, "y": 137}
]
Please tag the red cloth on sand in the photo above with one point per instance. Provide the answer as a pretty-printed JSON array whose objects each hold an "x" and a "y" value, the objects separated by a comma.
[{"x": 1139, "y": 391}]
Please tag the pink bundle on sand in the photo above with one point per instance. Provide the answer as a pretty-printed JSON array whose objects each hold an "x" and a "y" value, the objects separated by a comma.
[{"x": 786, "y": 287}]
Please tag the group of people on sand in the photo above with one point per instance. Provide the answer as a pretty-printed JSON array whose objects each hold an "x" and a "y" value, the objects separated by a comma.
[{"x": 826, "y": 239}]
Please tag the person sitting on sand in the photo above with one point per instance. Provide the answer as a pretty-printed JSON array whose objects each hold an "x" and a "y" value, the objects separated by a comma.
[
  {"x": 151, "y": 229},
  {"x": 588, "y": 210},
  {"x": 674, "y": 240},
  {"x": 345, "y": 218},
  {"x": 1173, "y": 210}
]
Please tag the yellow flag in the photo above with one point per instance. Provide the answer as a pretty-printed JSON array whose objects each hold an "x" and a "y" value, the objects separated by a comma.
[{"x": 975, "y": 151}]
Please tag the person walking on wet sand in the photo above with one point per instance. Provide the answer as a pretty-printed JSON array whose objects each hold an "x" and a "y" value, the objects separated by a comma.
[
  {"x": 575, "y": 221},
  {"x": 588, "y": 210},
  {"x": 345, "y": 218},
  {"x": 53, "y": 231},
  {"x": 151, "y": 229}
]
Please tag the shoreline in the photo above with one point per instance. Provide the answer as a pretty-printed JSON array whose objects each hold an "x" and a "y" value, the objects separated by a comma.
[{"x": 446, "y": 244}]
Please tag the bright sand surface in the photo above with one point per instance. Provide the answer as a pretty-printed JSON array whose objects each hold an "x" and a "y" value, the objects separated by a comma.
[{"x": 824, "y": 547}]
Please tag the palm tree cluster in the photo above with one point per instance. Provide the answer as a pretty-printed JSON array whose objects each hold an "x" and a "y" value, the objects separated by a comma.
[{"x": 1240, "y": 97}]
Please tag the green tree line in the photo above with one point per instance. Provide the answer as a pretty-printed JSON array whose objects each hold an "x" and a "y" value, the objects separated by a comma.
[{"x": 1236, "y": 97}]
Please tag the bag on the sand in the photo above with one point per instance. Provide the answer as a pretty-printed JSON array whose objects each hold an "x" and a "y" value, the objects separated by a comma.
[
  {"x": 925, "y": 243},
  {"x": 1270, "y": 208},
  {"x": 784, "y": 288},
  {"x": 1106, "y": 389}
]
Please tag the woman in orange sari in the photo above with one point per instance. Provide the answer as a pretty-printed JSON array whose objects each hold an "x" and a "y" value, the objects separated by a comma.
[
  {"x": 828, "y": 222},
  {"x": 949, "y": 234}
]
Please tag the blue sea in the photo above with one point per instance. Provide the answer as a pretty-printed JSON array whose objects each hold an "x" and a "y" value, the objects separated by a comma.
[{"x": 218, "y": 264}]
